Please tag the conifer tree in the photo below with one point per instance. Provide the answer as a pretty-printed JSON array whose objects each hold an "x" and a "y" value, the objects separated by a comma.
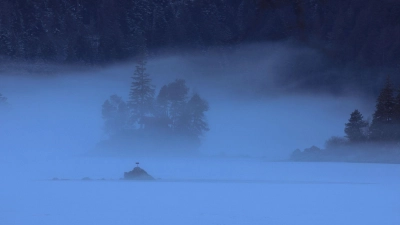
[
  {"x": 382, "y": 121},
  {"x": 141, "y": 95},
  {"x": 355, "y": 129},
  {"x": 396, "y": 116},
  {"x": 396, "y": 108}
]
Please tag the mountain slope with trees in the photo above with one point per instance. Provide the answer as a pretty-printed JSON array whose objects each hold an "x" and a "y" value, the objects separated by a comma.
[{"x": 363, "y": 32}]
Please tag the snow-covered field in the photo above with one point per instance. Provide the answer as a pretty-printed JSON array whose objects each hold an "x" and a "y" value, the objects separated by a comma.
[{"x": 202, "y": 191}]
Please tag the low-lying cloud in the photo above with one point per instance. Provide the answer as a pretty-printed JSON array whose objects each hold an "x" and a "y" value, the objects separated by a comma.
[{"x": 263, "y": 101}]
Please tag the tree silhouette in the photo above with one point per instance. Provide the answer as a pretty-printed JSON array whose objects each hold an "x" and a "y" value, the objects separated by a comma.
[
  {"x": 355, "y": 129},
  {"x": 382, "y": 120},
  {"x": 171, "y": 121},
  {"x": 183, "y": 116},
  {"x": 141, "y": 97},
  {"x": 396, "y": 115}
]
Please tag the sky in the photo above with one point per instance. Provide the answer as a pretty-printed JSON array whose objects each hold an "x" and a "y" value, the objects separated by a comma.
[{"x": 256, "y": 108}]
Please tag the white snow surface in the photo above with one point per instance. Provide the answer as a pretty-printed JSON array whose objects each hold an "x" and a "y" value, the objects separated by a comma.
[{"x": 202, "y": 191}]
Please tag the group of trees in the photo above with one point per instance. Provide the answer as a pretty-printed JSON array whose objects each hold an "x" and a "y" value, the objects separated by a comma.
[
  {"x": 171, "y": 118},
  {"x": 385, "y": 125},
  {"x": 95, "y": 31},
  {"x": 375, "y": 141}
]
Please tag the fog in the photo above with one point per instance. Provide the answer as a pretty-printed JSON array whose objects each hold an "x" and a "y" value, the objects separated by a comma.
[
  {"x": 56, "y": 110},
  {"x": 263, "y": 103}
]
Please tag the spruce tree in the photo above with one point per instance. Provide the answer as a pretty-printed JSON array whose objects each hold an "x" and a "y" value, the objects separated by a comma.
[
  {"x": 141, "y": 95},
  {"x": 355, "y": 129},
  {"x": 382, "y": 120},
  {"x": 396, "y": 116}
]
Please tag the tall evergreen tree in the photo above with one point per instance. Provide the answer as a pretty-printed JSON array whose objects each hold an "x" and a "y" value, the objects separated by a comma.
[
  {"x": 382, "y": 120},
  {"x": 355, "y": 129},
  {"x": 141, "y": 97},
  {"x": 396, "y": 115},
  {"x": 396, "y": 108}
]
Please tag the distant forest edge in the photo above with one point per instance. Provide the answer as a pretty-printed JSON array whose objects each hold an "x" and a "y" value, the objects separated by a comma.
[
  {"x": 91, "y": 31},
  {"x": 377, "y": 141},
  {"x": 173, "y": 122}
]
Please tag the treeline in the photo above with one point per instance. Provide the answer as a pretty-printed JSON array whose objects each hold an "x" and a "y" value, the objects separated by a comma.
[
  {"x": 98, "y": 31},
  {"x": 375, "y": 141},
  {"x": 171, "y": 122}
]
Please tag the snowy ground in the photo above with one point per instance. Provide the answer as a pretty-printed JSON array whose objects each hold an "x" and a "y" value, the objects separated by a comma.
[{"x": 199, "y": 191}]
